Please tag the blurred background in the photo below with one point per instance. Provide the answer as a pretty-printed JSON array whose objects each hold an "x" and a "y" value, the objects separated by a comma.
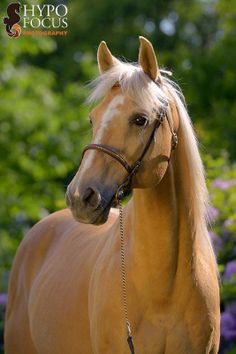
[{"x": 44, "y": 125}]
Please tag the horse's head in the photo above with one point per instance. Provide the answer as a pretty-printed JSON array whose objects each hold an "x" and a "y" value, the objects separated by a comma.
[{"x": 137, "y": 113}]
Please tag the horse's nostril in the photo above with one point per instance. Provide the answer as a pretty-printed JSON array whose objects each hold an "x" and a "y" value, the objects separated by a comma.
[{"x": 91, "y": 197}]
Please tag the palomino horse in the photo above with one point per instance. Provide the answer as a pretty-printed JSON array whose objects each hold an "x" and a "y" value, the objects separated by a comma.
[{"x": 65, "y": 286}]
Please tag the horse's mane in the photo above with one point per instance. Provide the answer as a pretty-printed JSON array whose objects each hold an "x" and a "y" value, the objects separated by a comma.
[{"x": 134, "y": 82}]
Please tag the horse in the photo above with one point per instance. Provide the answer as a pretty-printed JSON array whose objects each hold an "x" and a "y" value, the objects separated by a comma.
[{"x": 65, "y": 285}]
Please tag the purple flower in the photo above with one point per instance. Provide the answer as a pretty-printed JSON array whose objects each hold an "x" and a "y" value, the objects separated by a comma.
[
  {"x": 213, "y": 212},
  {"x": 3, "y": 299},
  {"x": 227, "y": 233},
  {"x": 228, "y": 222},
  {"x": 230, "y": 269},
  {"x": 231, "y": 308},
  {"x": 223, "y": 184},
  {"x": 216, "y": 241},
  {"x": 228, "y": 326}
]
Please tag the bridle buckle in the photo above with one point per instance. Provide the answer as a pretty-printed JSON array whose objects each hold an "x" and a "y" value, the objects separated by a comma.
[{"x": 174, "y": 141}]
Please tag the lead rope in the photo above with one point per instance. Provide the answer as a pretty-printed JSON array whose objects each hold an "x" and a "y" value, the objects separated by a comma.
[{"x": 123, "y": 279}]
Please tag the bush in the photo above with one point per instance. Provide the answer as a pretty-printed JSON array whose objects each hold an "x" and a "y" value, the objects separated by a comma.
[{"x": 223, "y": 235}]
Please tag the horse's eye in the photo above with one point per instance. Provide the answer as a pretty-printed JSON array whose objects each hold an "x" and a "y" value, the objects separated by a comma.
[
  {"x": 90, "y": 121},
  {"x": 140, "y": 120}
]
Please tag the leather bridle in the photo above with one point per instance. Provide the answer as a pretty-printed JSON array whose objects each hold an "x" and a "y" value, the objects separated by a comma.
[{"x": 125, "y": 188}]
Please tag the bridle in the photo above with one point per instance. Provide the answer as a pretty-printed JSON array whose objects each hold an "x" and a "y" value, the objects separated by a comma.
[{"x": 123, "y": 190}]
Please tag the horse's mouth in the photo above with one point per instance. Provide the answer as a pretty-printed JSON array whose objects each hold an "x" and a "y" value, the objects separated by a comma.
[
  {"x": 98, "y": 217},
  {"x": 102, "y": 217}
]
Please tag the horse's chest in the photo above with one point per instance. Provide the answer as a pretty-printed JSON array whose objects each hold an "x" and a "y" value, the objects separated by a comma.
[
  {"x": 171, "y": 333},
  {"x": 150, "y": 338},
  {"x": 163, "y": 340}
]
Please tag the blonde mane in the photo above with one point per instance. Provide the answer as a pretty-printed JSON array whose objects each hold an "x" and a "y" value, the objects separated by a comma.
[{"x": 134, "y": 82}]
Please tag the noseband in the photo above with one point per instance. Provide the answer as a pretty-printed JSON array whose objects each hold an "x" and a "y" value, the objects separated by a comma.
[{"x": 125, "y": 187}]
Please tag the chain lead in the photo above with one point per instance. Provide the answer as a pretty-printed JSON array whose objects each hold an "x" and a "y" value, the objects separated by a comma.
[{"x": 123, "y": 279}]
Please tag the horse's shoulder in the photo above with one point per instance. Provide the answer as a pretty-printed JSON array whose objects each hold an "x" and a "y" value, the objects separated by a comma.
[
  {"x": 48, "y": 232},
  {"x": 56, "y": 231},
  {"x": 47, "y": 229},
  {"x": 39, "y": 239}
]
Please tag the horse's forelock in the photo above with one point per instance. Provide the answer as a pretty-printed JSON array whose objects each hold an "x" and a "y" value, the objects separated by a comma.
[{"x": 132, "y": 81}]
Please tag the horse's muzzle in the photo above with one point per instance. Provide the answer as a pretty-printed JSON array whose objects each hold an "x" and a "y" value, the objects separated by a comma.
[{"x": 88, "y": 205}]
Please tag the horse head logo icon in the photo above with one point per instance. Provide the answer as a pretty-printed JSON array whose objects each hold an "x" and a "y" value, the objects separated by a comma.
[{"x": 13, "y": 29}]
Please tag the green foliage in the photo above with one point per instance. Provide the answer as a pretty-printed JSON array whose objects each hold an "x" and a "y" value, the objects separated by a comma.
[
  {"x": 42, "y": 132},
  {"x": 222, "y": 186},
  {"x": 43, "y": 119}
]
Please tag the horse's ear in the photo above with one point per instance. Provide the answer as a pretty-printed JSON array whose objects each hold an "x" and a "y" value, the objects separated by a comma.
[
  {"x": 105, "y": 58},
  {"x": 147, "y": 59}
]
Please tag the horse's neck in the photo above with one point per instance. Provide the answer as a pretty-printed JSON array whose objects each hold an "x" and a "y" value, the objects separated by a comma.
[{"x": 162, "y": 244}]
